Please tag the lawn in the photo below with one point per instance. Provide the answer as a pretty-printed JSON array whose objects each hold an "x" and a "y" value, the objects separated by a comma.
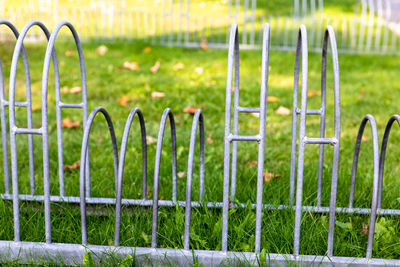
[{"x": 368, "y": 85}]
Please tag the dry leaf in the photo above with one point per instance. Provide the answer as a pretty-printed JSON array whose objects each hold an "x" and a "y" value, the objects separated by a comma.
[
  {"x": 37, "y": 107},
  {"x": 199, "y": 70},
  {"x": 100, "y": 141},
  {"x": 255, "y": 114},
  {"x": 157, "y": 94},
  {"x": 190, "y": 110},
  {"x": 365, "y": 229},
  {"x": 178, "y": 66},
  {"x": 253, "y": 163},
  {"x": 75, "y": 90},
  {"x": 67, "y": 123},
  {"x": 150, "y": 140},
  {"x": 101, "y": 50},
  {"x": 364, "y": 138},
  {"x": 123, "y": 101},
  {"x": 69, "y": 53},
  {"x": 282, "y": 111},
  {"x": 130, "y": 65},
  {"x": 147, "y": 49},
  {"x": 162, "y": 198},
  {"x": 272, "y": 99},
  {"x": 362, "y": 92},
  {"x": 155, "y": 68},
  {"x": 204, "y": 45},
  {"x": 312, "y": 93},
  {"x": 268, "y": 176},
  {"x": 74, "y": 166},
  {"x": 181, "y": 174},
  {"x": 209, "y": 139},
  {"x": 62, "y": 63},
  {"x": 65, "y": 89}
]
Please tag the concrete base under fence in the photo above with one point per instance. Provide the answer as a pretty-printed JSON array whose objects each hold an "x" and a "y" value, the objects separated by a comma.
[{"x": 72, "y": 254}]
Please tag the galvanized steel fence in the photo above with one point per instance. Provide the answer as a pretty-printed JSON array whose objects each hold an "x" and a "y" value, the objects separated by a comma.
[{"x": 73, "y": 253}]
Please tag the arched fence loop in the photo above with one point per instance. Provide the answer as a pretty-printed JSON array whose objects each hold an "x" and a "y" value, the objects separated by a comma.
[
  {"x": 121, "y": 167},
  {"x": 60, "y": 105},
  {"x": 28, "y": 104},
  {"x": 166, "y": 114},
  {"x": 197, "y": 120},
  {"x": 375, "y": 182},
  {"x": 14, "y": 130},
  {"x": 385, "y": 140},
  {"x": 75, "y": 252},
  {"x": 82, "y": 172}
]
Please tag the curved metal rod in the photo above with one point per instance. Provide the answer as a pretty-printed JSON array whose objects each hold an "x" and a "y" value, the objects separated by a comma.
[
  {"x": 303, "y": 49},
  {"x": 121, "y": 166},
  {"x": 167, "y": 113},
  {"x": 383, "y": 154},
  {"x": 3, "y": 104},
  {"x": 85, "y": 144},
  {"x": 43, "y": 130},
  {"x": 50, "y": 47},
  {"x": 233, "y": 58},
  {"x": 375, "y": 183},
  {"x": 197, "y": 120},
  {"x": 330, "y": 37}
]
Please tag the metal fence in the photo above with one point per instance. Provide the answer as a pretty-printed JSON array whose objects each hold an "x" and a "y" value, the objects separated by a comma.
[
  {"x": 176, "y": 23},
  {"x": 23, "y": 251}
]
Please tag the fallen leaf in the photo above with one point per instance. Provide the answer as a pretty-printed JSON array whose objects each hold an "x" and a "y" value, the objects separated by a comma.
[
  {"x": 362, "y": 92},
  {"x": 178, "y": 66},
  {"x": 282, "y": 111},
  {"x": 123, "y": 101},
  {"x": 272, "y": 99},
  {"x": 75, "y": 90},
  {"x": 190, "y": 110},
  {"x": 67, "y": 123},
  {"x": 99, "y": 141},
  {"x": 130, "y": 65},
  {"x": 62, "y": 63},
  {"x": 65, "y": 89},
  {"x": 204, "y": 45},
  {"x": 312, "y": 93},
  {"x": 162, "y": 198},
  {"x": 253, "y": 163},
  {"x": 150, "y": 140},
  {"x": 69, "y": 53},
  {"x": 147, "y": 49},
  {"x": 181, "y": 174},
  {"x": 209, "y": 139},
  {"x": 155, "y": 68},
  {"x": 199, "y": 70},
  {"x": 268, "y": 176},
  {"x": 157, "y": 94},
  {"x": 365, "y": 229},
  {"x": 37, "y": 107},
  {"x": 73, "y": 166},
  {"x": 255, "y": 114},
  {"x": 101, "y": 50},
  {"x": 364, "y": 138}
]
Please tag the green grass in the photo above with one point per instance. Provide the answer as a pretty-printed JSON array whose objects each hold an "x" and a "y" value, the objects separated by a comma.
[{"x": 368, "y": 85}]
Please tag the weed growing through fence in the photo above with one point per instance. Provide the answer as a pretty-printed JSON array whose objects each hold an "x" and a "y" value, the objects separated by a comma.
[{"x": 368, "y": 85}]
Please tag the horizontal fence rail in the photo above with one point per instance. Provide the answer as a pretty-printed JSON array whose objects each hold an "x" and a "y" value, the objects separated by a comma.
[{"x": 23, "y": 251}]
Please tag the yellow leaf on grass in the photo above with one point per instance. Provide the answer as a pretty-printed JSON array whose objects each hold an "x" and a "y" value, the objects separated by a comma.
[
  {"x": 364, "y": 138},
  {"x": 268, "y": 176},
  {"x": 190, "y": 110},
  {"x": 157, "y": 94},
  {"x": 178, "y": 66},
  {"x": 73, "y": 166},
  {"x": 147, "y": 49},
  {"x": 150, "y": 140},
  {"x": 123, "y": 101},
  {"x": 181, "y": 174},
  {"x": 312, "y": 93},
  {"x": 101, "y": 50},
  {"x": 155, "y": 68},
  {"x": 68, "y": 123},
  {"x": 209, "y": 139},
  {"x": 255, "y": 114},
  {"x": 130, "y": 65},
  {"x": 272, "y": 99},
  {"x": 282, "y": 111},
  {"x": 75, "y": 90},
  {"x": 37, "y": 107},
  {"x": 69, "y": 53},
  {"x": 204, "y": 45}
]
